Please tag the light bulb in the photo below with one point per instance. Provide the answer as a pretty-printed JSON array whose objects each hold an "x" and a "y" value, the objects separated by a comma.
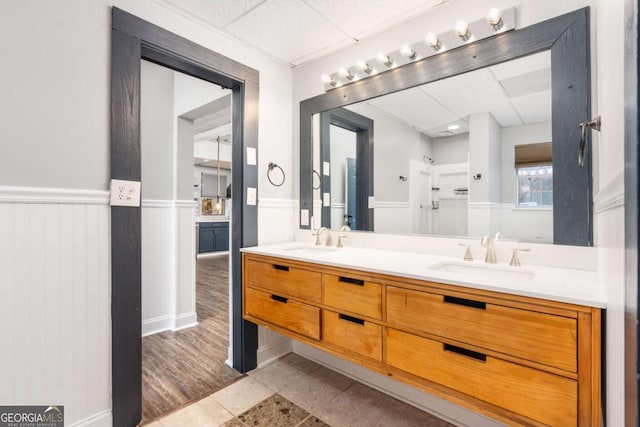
[
  {"x": 385, "y": 59},
  {"x": 328, "y": 80},
  {"x": 364, "y": 66},
  {"x": 462, "y": 30},
  {"x": 345, "y": 73},
  {"x": 494, "y": 18},
  {"x": 453, "y": 127},
  {"x": 405, "y": 50},
  {"x": 433, "y": 41}
]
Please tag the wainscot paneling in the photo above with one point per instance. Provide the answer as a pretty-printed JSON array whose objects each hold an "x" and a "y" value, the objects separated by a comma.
[{"x": 55, "y": 303}]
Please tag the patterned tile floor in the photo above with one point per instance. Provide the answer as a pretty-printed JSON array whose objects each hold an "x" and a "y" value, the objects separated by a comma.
[{"x": 296, "y": 392}]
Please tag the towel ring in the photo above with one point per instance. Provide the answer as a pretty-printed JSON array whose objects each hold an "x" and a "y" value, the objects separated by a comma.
[
  {"x": 271, "y": 167},
  {"x": 315, "y": 172}
]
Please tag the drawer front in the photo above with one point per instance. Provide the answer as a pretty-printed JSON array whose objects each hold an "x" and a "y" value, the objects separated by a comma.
[
  {"x": 539, "y": 337},
  {"x": 351, "y": 333},
  {"x": 353, "y": 294},
  {"x": 545, "y": 397},
  {"x": 282, "y": 279},
  {"x": 295, "y": 316}
]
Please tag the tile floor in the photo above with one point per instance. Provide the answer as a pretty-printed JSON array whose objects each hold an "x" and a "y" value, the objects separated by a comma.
[{"x": 296, "y": 392}]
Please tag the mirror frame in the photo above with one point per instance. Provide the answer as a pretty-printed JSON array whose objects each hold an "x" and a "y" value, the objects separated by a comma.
[{"x": 567, "y": 37}]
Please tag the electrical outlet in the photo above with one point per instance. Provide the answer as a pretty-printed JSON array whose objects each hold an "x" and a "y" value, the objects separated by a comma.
[{"x": 125, "y": 193}]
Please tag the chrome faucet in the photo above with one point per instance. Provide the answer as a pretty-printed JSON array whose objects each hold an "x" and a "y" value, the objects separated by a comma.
[
  {"x": 318, "y": 233},
  {"x": 489, "y": 243}
]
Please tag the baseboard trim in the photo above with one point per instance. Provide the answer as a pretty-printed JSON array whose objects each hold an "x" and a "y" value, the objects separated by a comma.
[
  {"x": 157, "y": 324},
  {"x": 269, "y": 353},
  {"x": 185, "y": 321},
  {"x": 447, "y": 411},
  {"x": 53, "y": 196},
  {"x": 101, "y": 419}
]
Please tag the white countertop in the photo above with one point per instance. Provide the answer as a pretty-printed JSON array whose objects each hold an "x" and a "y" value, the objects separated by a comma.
[{"x": 557, "y": 284}]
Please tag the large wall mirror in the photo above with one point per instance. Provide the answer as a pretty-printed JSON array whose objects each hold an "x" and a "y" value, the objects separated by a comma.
[{"x": 480, "y": 139}]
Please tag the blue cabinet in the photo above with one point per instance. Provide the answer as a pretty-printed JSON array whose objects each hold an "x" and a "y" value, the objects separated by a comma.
[{"x": 213, "y": 237}]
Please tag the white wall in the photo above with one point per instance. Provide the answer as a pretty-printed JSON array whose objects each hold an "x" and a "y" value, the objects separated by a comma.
[
  {"x": 451, "y": 149},
  {"x": 60, "y": 74},
  {"x": 607, "y": 39}
]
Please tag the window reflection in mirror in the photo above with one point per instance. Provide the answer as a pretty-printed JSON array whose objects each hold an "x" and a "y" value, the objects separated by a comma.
[{"x": 445, "y": 156}]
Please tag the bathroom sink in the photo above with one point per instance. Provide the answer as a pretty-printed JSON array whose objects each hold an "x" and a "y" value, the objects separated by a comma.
[
  {"x": 484, "y": 271},
  {"x": 311, "y": 249}
]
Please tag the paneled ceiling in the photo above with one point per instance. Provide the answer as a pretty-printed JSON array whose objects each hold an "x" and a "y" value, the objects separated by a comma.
[
  {"x": 297, "y": 31},
  {"x": 515, "y": 93}
]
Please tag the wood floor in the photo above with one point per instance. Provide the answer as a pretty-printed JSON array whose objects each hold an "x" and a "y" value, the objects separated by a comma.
[{"x": 183, "y": 366}]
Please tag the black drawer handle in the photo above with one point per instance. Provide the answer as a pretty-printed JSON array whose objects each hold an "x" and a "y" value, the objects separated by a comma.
[
  {"x": 465, "y": 352},
  {"x": 351, "y": 281},
  {"x": 351, "y": 319},
  {"x": 281, "y": 267},
  {"x": 466, "y": 302},
  {"x": 279, "y": 298}
]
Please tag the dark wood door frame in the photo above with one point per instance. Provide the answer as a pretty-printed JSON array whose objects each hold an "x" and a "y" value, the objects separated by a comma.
[
  {"x": 363, "y": 127},
  {"x": 631, "y": 236},
  {"x": 134, "y": 39}
]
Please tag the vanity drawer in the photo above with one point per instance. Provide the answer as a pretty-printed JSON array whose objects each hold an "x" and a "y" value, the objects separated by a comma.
[
  {"x": 283, "y": 279},
  {"x": 545, "y": 397},
  {"x": 353, "y": 294},
  {"x": 544, "y": 338},
  {"x": 295, "y": 316},
  {"x": 357, "y": 335}
]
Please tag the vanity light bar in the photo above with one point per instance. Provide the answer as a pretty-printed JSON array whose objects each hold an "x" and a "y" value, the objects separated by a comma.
[{"x": 495, "y": 22}]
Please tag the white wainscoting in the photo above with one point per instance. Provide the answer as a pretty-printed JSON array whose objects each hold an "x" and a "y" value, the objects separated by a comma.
[
  {"x": 55, "y": 301},
  {"x": 393, "y": 217},
  {"x": 168, "y": 266}
]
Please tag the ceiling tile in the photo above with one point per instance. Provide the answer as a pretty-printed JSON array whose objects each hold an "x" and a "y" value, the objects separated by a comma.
[
  {"x": 521, "y": 66},
  {"x": 217, "y": 13},
  {"x": 459, "y": 82},
  {"x": 534, "y": 108},
  {"x": 528, "y": 83},
  {"x": 415, "y": 108},
  {"x": 288, "y": 29},
  {"x": 360, "y": 18},
  {"x": 480, "y": 99}
]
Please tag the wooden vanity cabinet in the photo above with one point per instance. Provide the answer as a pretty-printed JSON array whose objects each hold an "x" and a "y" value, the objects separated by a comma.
[{"x": 523, "y": 361}]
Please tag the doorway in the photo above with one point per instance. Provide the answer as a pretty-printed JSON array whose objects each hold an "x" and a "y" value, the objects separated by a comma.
[{"x": 134, "y": 39}]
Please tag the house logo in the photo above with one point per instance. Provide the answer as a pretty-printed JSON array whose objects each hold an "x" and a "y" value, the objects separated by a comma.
[{"x": 32, "y": 416}]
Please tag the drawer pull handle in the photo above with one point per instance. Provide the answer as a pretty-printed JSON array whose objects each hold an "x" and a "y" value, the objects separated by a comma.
[
  {"x": 465, "y": 352},
  {"x": 351, "y": 319},
  {"x": 279, "y": 298},
  {"x": 351, "y": 281},
  {"x": 281, "y": 267},
  {"x": 466, "y": 302}
]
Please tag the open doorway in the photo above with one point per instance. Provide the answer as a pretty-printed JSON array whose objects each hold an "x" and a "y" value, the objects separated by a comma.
[
  {"x": 133, "y": 40},
  {"x": 185, "y": 136}
]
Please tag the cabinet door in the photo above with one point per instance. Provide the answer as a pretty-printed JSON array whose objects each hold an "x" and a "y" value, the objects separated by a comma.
[
  {"x": 222, "y": 238},
  {"x": 207, "y": 237}
]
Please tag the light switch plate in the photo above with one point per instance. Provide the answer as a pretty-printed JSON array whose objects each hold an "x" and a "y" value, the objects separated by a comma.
[
  {"x": 125, "y": 193},
  {"x": 304, "y": 217},
  {"x": 326, "y": 200},
  {"x": 252, "y": 196},
  {"x": 326, "y": 168},
  {"x": 372, "y": 202},
  {"x": 251, "y": 156}
]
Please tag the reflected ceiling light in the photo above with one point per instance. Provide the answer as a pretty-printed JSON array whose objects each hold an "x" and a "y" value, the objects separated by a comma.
[
  {"x": 453, "y": 127},
  {"x": 345, "y": 73},
  {"x": 433, "y": 41},
  {"x": 462, "y": 30},
  {"x": 364, "y": 66},
  {"x": 405, "y": 50},
  {"x": 329, "y": 80},
  {"x": 494, "y": 18},
  {"x": 385, "y": 59}
]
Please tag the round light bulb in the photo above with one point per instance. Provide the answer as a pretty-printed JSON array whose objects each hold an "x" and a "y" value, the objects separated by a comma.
[
  {"x": 405, "y": 50},
  {"x": 343, "y": 72},
  {"x": 326, "y": 78},
  {"x": 461, "y": 29},
  {"x": 362, "y": 65},
  {"x": 494, "y": 17},
  {"x": 432, "y": 40},
  {"x": 383, "y": 58}
]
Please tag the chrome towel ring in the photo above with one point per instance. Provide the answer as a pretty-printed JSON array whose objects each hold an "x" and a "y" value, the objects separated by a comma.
[{"x": 271, "y": 167}]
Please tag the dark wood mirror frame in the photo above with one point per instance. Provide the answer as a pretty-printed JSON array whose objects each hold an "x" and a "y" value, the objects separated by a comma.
[{"x": 567, "y": 37}]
